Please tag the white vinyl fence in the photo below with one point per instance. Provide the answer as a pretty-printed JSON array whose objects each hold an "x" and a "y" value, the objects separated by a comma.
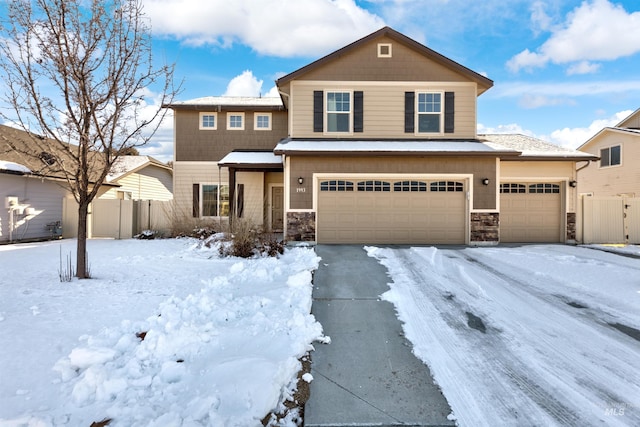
[{"x": 611, "y": 220}]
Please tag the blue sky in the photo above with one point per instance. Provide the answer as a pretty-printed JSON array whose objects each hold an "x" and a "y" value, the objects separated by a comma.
[{"x": 562, "y": 69}]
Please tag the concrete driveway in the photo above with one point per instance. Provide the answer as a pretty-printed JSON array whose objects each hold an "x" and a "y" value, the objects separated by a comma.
[{"x": 368, "y": 375}]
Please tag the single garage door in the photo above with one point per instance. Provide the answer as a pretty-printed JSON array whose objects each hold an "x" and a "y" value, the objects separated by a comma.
[
  {"x": 391, "y": 211},
  {"x": 530, "y": 213}
]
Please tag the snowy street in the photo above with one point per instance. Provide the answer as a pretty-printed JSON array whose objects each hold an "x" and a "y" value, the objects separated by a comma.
[{"x": 532, "y": 335}]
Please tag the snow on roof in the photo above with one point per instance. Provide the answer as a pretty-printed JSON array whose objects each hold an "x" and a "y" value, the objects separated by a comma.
[
  {"x": 239, "y": 101},
  {"x": 125, "y": 164},
  {"x": 529, "y": 146},
  {"x": 13, "y": 167},
  {"x": 251, "y": 158},
  {"x": 389, "y": 146}
]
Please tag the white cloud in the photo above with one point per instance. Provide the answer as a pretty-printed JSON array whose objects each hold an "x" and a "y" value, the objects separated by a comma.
[
  {"x": 531, "y": 101},
  {"x": 508, "y": 128},
  {"x": 519, "y": 89},
  {"x": 246, "y": 84},
  {"x": 583, "y": 67},
  {"x": 575, "y": 137},
  {"x": 271, "y": 27},
  {"x": 597, "y": 30}
]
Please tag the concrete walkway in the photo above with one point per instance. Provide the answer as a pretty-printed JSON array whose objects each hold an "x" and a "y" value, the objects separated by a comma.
[{"x": 368, "y": 375}]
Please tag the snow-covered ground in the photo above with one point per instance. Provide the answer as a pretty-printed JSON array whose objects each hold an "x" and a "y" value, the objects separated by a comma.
[
  {"x": 544, "y": 335},
  {"x": 223, "y": 336}
]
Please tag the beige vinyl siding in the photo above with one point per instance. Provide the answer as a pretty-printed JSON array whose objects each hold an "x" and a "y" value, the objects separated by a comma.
[
  {"x": 253, "y": 195},
  {"x": 44, "y": 197},
  {"x": 383, "y": 107},
  {"x": 185, "y": 174},
  {"x": 613, "y": 180},
  {"x": 150, "y": 183}
]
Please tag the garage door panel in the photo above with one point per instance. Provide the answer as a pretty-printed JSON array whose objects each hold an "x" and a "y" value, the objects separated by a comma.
[
  {"x": 392, "y": 217},
  {"x": 530, "y": 218}
]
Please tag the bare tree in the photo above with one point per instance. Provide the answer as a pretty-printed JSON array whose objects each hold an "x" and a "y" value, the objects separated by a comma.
[{"x": 77, "y": 75}]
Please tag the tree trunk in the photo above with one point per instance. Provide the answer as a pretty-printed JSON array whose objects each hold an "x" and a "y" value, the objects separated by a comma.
[{"x": 81, "y": 256}]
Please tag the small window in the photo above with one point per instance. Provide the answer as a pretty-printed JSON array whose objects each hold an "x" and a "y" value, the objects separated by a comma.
[
  {"x": 384, "y": 50},
  {"x": 429, "y": 111},
  {"x": 262, "y": 121},
  {"x": 214, "y": 202},
  {"x": 336, "y": 185},
  {"x": 610, "y": 156},
  {"x": 544, "y": 188},
  {"x": 338, "y": 111},
  {"x": 410, "y": 186},
  {"x": 513, "y": 188},
  {"x": 235, "y": 121},
  {"x": 374, "y": 186},
  {"x": 208, "y": 121},
  {"x": 447, "y": 186}
]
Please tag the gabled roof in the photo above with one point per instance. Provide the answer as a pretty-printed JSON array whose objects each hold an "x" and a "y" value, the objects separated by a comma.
[
  {"x": 126, "y": 165},
  {"x": 608, "y": 130},
  {"x": 630, "y": 117},
  {"x": 237, "y": 103},
  {"x": 483, "y": 82}
]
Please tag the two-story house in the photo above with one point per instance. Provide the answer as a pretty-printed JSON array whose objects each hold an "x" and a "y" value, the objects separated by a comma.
[{"x": 373, "y": 143}]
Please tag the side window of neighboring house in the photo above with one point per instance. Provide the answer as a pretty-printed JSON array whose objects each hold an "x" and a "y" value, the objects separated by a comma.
[
  {"x": 210, "y": 200},
  {"x": 262, "y": 121},
  {"x": 610, "y": 156},
  {"x": 235, "y": 121},
  {"x": 208, "y": 121},
  {"x": 338, "y": 111}
]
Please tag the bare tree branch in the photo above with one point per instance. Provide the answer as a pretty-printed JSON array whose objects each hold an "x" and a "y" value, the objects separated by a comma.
[{"x": 76, "y": 73}]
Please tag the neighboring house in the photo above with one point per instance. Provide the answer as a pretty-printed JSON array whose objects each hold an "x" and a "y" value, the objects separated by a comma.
[
  {"x": 140, "y": 178},
  {"x": 374, "y": 143},
  {"x": 31, "y": 205},
  {"x": 611, "y": 186}
]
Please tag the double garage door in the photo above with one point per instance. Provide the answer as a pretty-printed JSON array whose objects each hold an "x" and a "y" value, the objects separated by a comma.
[
  {"x": 530, "y": 213},
  {"x": 399, "y": 211}
]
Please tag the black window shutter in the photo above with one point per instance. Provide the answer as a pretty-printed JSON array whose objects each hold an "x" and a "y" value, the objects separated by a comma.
[
  {"x": 409, "y": 112},
  {"x": 358, "y": 111},
  {"x": 449, "y": 111},
  {"x": 196, "y": 200},
  {"x": 318, "y": 113}
]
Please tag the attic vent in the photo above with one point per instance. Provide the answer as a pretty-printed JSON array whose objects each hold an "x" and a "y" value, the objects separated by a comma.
[
  {"x": 384, "y": 50},
  {"x": 47, "y": 158}
]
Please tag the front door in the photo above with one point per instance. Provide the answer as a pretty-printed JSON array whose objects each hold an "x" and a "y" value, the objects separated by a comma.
[{"x": 277, "y": 208}]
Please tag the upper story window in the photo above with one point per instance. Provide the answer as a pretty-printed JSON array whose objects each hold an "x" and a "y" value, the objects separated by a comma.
[
  {"x": 610, "y": 156},
  {"x": 235, "y": 121},
  {"x": 338, "y": 111},
  {"x": 262, "y": 121},
  {"x": 429, "y": 111},
  {"x": 208, "y": 121}
]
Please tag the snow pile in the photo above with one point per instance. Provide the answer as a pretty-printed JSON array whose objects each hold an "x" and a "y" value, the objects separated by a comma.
[{"x": 226, "y": 355}]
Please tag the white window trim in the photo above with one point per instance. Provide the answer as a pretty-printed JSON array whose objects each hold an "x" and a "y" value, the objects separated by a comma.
[
  {"x": 417, "y": 113},
  {"x": 610, "y": 165},
  {"x": 215, "y": 120},
  {"x": 384, "y": 55},
  {"x": 326, "y": 111},
  {"x": 219, "y": 185},
  {"x": 231, "y": 114},
  {"x": 255, "y": 121}
]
